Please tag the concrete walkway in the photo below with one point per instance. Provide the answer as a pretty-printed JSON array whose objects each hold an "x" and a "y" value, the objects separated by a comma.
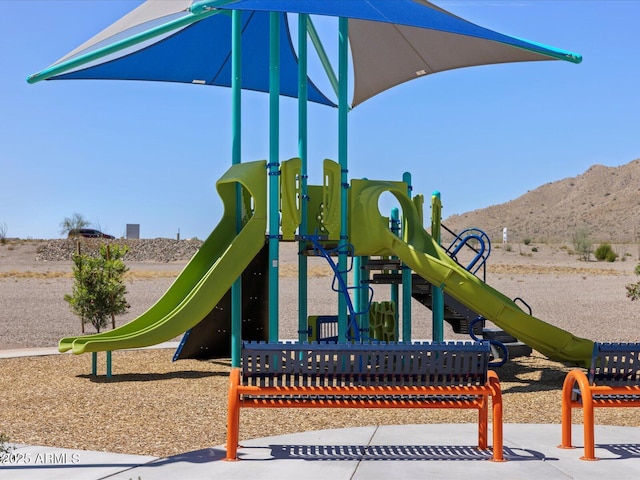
[{"x": 366, "y": 453}]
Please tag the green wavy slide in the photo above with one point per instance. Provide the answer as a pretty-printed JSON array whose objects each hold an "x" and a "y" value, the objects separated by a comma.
[
  {"x": 422, "y": 254},
  {"x": 206, "y": 278}
]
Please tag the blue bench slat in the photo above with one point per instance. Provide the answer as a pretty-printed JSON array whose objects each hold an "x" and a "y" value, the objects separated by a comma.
[
  {"x": 394, "y": 364},
  {"x": 615, "y": 364}
]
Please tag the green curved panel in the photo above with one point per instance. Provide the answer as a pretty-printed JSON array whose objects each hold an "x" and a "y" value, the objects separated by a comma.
[
  {"x": 290, "y": 197},
  {"x": 430, "y": 261},
  {"x": 331, "y": 198},
  {"x": 204, "y": 280}
]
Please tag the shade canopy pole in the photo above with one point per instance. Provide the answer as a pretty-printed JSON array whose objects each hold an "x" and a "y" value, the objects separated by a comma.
[
  {"x": 343, "y": 109},
  {"x": 236, "y": 157},
  {"x": 407, "y": 281},
  {"x": 437, "y": 294},
  {"x": 304, "y": 194},
  {"x": 274, "y": 170}
]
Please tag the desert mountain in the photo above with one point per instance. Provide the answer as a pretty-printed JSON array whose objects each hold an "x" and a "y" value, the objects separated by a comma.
[{"x": 603, "y": 201}]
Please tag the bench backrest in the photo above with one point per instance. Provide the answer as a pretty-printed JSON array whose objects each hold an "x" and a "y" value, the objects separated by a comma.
[
  {"x": 615, "y": 364},
  {"x": 393, "y": 364}
]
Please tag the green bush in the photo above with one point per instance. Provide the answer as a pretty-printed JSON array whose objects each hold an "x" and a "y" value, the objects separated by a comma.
[
  {"x": 605, "y": 252},
  {"x": 99, "y": 290},
  {"x": 527, "y": 241},
  {"x": 633, "y": 289},
  {"x": 534, "y": 249}
]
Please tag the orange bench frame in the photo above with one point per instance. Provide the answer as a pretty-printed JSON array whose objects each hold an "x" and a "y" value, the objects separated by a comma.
[
  {"x": 244, "y": 396},
  {"x": 595, "y": 392}
]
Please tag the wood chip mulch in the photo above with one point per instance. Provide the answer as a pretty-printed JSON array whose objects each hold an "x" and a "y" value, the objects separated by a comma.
[{"x": 153, "y": 406}]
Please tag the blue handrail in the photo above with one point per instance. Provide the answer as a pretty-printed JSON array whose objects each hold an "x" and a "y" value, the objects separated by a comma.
[
  {"x": 505, "y": 351},
  {"x": 342, "y": 287},
  {"x": 482, "y": 253}
]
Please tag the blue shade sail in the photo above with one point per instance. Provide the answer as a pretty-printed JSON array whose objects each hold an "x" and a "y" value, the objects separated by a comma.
[{"x": 198, "y": 53}]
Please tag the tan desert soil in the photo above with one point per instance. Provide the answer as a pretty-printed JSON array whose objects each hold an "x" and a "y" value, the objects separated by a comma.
[{"x": 154, "y": 406}]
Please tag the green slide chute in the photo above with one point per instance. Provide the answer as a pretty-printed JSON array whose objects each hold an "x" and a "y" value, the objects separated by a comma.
[
  {"x": 206, "y": 278},
  {"x": 370, "y": 235}
]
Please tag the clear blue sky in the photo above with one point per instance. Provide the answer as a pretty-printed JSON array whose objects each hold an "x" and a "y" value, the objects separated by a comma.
[{"x": 150, "y": 153}]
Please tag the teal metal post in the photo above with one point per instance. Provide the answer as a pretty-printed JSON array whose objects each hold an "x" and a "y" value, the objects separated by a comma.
[
  {"x": 304, "y": 194},
  {"x": 343, "y": 109},
  {"x": 395, "y": 228},
  {"x": 236, "y": 157},
  {"x": 437, "y": 295},
  {"x": 94, "y": 363},
  {"x": 109, "y": 363},
  {"x": 407, "y": 284},
  {"x": 357, "y": 292},
  {"x": 274, "y": 171}
]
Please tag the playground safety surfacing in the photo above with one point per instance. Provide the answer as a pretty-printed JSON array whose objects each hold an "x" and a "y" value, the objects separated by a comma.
[{"x": 442, "y": 451}]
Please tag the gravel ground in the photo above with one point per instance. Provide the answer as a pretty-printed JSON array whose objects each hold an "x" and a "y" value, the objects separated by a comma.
[{"x": 152, "y": 406}]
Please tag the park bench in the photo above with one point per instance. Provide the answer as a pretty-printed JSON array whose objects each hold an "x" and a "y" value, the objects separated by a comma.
[
  {"x": 613, "y": 380},
  {"x": 385, "y": 375}
]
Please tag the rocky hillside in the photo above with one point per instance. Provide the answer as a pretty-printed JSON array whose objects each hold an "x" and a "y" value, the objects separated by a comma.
[{"x": 603, "y": 201}]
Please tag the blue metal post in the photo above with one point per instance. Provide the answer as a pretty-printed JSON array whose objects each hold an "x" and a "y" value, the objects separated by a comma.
[
  {"x": 407, "y": 284},
  {"x": 343, "y": 109},
  {"x": 236, "y": 157},
  {"x": 437, "y": 295},
  {"x": 274, "y": 171},
  {"x": 302, "y": 153}
]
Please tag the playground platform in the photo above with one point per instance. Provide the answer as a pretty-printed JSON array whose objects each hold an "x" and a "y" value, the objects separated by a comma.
[{"x": 442, "y": 451}]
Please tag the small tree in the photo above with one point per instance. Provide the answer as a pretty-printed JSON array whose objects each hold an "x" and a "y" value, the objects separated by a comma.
[
  {"x": 583, "y": 244},
  {"x": 633, "y": 289},
  {"x": 99, "y": 290},
  {"x": 3, "y": 233},
  {"x": 74, "y": 222}
]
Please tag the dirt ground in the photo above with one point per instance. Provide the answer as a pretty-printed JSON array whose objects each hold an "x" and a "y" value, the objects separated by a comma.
[{"x": 154, "y": 406}]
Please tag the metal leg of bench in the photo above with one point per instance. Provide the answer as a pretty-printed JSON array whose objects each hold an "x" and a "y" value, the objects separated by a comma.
[
  {"x": 589, "y": 434},
  {"x": 233, "y": 416},
  {"x": 496, "y": 406},
  {"x": 483, "y": 422}
]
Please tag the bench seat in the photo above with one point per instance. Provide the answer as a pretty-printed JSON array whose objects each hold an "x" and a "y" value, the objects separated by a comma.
[
  {"x": 395, "y": 375},
  {"x": 613, "y": 381}
]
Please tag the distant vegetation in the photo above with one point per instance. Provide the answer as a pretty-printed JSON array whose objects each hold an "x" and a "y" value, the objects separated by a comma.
[
  {"x": 633, "y": 289},
  {"x": 605, "y": 252},
  {"x": 76, "y": 221},
  {"x": 583, "y": 244}
]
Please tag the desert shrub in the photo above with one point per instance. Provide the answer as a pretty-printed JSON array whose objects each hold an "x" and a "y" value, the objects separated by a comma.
[
  {"x": 507, "y": 247},
  {"x": 3, "y": 233},
  {"x": 605, "y": 252},
  {"x": 527, "y": 241},
  {"x": 4, "y": 448},
  {"x": 583, "y": 244},
  {"x": 633, "y": 289},
  {"x": 99, "y": 290},
  {"x": 534, "y": 249},
  {"x": 74, "y": 222}
]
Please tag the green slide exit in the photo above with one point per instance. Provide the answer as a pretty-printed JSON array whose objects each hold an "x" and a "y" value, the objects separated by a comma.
[
  {"x": 206, "y": 278},
  {"x": 370, "y": 235}
]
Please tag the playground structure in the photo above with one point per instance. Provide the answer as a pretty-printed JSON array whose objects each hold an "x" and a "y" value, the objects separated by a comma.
[
  {"x": 232, "y": 247},
  {"x": 249, "y": 47}
]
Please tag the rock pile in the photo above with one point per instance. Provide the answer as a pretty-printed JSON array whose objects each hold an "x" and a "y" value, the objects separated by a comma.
[{"x": 143, "y": 250}]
